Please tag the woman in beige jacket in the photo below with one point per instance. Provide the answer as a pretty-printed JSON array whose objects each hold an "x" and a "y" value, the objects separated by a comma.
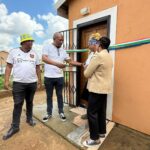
[{"x": 99, "y": 74}]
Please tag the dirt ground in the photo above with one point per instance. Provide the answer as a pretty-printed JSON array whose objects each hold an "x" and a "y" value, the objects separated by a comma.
[
  {"x": 41, "y": 137},
  {"x": 29, "y": 138}
]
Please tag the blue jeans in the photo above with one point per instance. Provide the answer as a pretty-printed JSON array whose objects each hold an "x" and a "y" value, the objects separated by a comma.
[{"x": 50, "y": 84}]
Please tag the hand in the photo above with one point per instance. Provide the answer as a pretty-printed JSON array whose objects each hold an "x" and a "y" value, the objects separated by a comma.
[
  {"x": 85, "y": 66},
  {"x": 60, "y": 65},
  {"x": 39, "y": 85},
  {"x": 82, "y": 64},
  {"x": 6, "y": 86}
]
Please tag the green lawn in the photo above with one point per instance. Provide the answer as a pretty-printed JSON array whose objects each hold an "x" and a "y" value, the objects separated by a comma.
[{"x": 1, "y": 82}]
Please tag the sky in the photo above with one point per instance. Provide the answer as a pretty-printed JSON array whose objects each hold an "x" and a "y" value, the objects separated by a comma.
[{"x": 38, "y": 18}]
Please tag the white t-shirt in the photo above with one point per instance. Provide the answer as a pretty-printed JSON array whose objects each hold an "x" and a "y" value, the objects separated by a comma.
[
  {"x": 56, "y": 54},
  {"x": 24, "y": 65}
]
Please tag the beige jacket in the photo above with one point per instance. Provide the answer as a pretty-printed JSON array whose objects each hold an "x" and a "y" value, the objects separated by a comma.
[{"x": 99, "y": 73}]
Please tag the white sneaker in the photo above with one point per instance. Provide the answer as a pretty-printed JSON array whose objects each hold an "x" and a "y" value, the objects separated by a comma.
[
  {"x": 45, "y": 119},
  {"x": 62, "y": 117},
  {"x": 102, "y": 135},
  {"x": 91, "y": 143}
]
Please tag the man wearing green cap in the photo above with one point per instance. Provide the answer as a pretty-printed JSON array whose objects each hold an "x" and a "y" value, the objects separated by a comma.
[{"x": 26, "y": 69}]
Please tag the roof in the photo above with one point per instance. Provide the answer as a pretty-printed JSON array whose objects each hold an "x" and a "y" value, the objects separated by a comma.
[
  {"x": 62, "y": 8},
  {"x": 3, "y": 51}
]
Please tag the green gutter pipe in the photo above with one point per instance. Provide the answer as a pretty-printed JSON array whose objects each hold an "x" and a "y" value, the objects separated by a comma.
[{"x": 117, "y": 46}]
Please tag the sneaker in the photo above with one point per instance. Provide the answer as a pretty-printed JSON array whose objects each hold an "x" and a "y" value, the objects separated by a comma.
[
  {"x": 102, "y": 135},
  {"x": 45, "y": 119},
  {"x": 91, "y": 143},
  {"x": 62, "y": 117}
]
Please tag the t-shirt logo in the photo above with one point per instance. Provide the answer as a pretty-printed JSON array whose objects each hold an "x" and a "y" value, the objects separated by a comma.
[{"x": 32, "y": 55}]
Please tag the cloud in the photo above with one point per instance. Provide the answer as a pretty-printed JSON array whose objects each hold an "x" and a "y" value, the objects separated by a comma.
[
  {"x": 14, "y": 24},
  {"x": 40, "y": 34},
  {"x": 55, "y": 23},
  {"x": 5, "y": 41},
  {"x": 17, "y": 23},
  {"x": 3, "y": 10},
  {"x": 55, "y": 1}
]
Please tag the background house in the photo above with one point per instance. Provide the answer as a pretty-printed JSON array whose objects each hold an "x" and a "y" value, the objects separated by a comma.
[
  {"x": 123, "y": 21},
  {"x": 3, "y": 57}
]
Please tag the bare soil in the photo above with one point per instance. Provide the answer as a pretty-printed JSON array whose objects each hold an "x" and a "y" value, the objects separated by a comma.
[{"x": 39, "y": 137}]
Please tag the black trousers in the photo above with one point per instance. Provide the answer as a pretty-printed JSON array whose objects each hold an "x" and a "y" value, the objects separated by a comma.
[
  {"x": 85, "y": 93},
  {"x": 97, "y": 114},
  {"x": 20, "y": 92},
  {"x": 50, "y": 84}
]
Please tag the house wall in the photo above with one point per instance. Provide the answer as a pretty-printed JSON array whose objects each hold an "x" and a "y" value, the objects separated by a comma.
[{"x": 131, "y": 76}]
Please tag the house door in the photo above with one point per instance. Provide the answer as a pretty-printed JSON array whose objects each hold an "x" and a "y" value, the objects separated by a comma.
[{"x": 85, "y": 34}]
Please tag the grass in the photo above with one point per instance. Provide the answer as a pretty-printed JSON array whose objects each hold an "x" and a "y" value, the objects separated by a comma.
[{"x": 1, "y": 82}]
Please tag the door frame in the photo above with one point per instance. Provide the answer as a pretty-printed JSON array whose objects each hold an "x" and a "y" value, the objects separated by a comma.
[
  {"x": 109, "y": 15},
  {"x": 80, "y": 28}
]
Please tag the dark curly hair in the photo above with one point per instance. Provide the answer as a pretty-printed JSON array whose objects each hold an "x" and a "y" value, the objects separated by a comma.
[{"x": 104, "y": 42}]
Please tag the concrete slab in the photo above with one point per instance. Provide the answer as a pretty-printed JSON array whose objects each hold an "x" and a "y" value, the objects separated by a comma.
[
  {"x": 75, "y": 134},
  {"x": 79, "y": 134},
  {"x": 82, "y": 133},
  {"x": 55, "y": 123},
  {"x": 78, "y": 121},
  {"x": 79, "y": 110}
]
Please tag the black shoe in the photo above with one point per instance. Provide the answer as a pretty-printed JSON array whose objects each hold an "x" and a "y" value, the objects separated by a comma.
[
  {"x": 10, "y": 133},
  {"x": 31, "y": 122}
]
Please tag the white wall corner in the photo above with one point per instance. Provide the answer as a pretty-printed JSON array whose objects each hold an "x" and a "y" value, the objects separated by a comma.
[{"x": 59, "y": 3}]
